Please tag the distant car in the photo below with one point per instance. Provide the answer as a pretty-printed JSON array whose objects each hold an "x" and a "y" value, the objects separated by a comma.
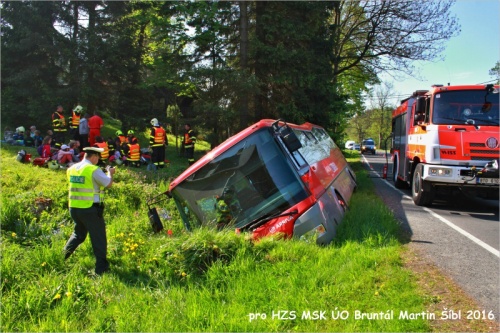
[
  {"x": 349, "y": 145},
  {"x": 368, "y": 145},
  {"x": 357, "y": 146}
]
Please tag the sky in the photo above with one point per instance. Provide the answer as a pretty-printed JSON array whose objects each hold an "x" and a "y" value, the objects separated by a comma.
[{"x": 467, "y": 57}]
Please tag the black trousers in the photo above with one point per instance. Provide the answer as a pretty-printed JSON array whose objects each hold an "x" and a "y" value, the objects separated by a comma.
[
  {"x": 158, "y": 156},
  {"x": 89, "y": 221},
  {"x": 59, "y": 138}
]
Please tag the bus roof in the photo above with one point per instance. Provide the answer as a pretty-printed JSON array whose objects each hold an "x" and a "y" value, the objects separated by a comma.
[{"x": 208, "y": 157}]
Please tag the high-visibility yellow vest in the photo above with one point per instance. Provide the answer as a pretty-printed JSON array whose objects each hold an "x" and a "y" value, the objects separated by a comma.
[{"x": 81, "y": 188}]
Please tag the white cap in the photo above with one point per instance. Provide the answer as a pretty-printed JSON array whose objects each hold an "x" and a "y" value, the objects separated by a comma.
[
  {"x": 64, "y": 147},
  {"x": 95, "y": 149}
]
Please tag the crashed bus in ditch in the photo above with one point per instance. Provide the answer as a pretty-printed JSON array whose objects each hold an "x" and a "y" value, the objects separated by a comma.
[{"x": 271, "y": 178}]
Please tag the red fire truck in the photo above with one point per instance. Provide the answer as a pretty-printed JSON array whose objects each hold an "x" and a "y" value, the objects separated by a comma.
[
  {"x": 445, "y": 139},
  {"x": 270, "y": 178}
]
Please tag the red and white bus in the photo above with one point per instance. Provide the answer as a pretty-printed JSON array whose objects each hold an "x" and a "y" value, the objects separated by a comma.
[{"x": 270, "y": 178}]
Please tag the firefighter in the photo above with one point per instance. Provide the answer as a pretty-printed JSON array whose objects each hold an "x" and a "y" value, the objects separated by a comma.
[
  {"x": 59, "y": 127},
  {"x": 133, "y": 152},
  {"x": 121, "y": 139},
  {"x": 103, "y": 160},
  {"x": 74, "y": 122},
  {"x": 131, "y": 138},
  {"x": 120, "y": 145},
  {"x": 189, "y": 141},
  {"x": 157, "y": 142}
]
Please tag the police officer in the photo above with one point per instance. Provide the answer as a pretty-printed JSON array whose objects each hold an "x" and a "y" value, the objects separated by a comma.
[{"x": 86, "y": 184}]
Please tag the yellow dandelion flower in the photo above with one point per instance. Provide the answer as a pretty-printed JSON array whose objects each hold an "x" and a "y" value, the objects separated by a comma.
[
  {"x": 376, "y": 293},
  {"x": 57, "y": 296},
  {"x": 69, "y": 294},
  {"x": 183, "y": 274},
  {"x": 43, "y": 264},
  {"x": 14, "y": 235}
]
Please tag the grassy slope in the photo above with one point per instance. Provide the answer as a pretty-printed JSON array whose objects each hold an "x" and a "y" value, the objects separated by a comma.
[{"x": 204, "y": 281}]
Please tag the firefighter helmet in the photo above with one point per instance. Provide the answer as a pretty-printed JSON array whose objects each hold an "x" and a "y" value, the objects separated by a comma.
[
  {"x": 78, "y": 109},
  {"x": 130, "y": 132},
  {"x": 118, "y": 133},
  {"x": 20, "y": 155},
  {"x": 53, "y": 165},
  {"x": 154, "y": 122}
]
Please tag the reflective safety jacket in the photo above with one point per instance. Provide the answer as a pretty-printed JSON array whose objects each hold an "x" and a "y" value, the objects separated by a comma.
[
  {"x": 134, "y": 152},
  {"x": 74, "y": 120},
  {"x": 81, "y": 187},
  {"x": 189, "y": 139},
  {"x": 157, "y": 137},
  {"x": 105, "y": 153},
  {"x": 58, "y": 122},
  {"x": 122, "y": 138}
]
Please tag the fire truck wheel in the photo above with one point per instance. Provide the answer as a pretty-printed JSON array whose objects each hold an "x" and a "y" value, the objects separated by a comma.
[{"x": 420, "y": 196}]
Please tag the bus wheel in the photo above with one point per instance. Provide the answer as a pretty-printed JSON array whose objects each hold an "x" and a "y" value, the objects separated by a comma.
[
  {"x": 398, "y": 183},
  {"x": 421, "y": 197}
]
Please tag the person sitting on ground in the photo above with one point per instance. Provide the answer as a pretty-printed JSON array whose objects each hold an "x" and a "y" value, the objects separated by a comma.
[
  {"x": 38, "y": 139},
  {"x": 74, "y": 148},
  {"x": 65, "y": 156},
  {"x": 45, "y": 149},
  {"x": 18, "y": 136},
  {"x": 28, "y": 141}
]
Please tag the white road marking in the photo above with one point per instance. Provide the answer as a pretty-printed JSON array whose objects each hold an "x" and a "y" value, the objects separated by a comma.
[{"x": 442, "y": 219}]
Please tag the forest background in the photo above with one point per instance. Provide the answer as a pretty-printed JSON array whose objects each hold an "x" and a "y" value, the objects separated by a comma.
[{"x": 220, "y": 65}]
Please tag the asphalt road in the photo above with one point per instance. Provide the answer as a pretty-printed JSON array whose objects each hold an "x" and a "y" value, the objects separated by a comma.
[{"x": 460, "y": 235}]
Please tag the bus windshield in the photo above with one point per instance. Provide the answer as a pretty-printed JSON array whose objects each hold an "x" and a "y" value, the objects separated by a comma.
[
  {"x": 472, "y": 107},
  {"x": 252, "y": 179}
]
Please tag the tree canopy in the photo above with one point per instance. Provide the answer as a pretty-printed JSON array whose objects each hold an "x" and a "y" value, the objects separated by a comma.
[{"x": 224, "y": 64}]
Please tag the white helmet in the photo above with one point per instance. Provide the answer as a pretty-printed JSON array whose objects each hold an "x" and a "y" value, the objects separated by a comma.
[
  {"x": 154, "y": 122},
  {"x": 20, "y": 129},
  {"x": 53, "y": 165},
  {"x": 78, "y": 109}
]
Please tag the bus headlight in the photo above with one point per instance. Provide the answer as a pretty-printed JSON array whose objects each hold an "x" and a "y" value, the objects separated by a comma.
[
  {"x": 312, "y": 235},
  {"x": 440, "y": 172}
]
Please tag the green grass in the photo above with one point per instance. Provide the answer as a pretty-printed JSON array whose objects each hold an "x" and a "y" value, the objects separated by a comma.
[{"x": 200, "y": 281}]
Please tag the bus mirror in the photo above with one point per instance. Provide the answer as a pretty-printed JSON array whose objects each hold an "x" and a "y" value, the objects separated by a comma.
[{"x": 290, "y": 139}]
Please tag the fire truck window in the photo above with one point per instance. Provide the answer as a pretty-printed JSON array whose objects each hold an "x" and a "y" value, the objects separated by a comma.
[{"x": 464, "y": 107}]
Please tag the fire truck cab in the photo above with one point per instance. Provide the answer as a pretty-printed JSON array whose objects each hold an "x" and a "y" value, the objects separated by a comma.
[{"x": 445, "y": 139}]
